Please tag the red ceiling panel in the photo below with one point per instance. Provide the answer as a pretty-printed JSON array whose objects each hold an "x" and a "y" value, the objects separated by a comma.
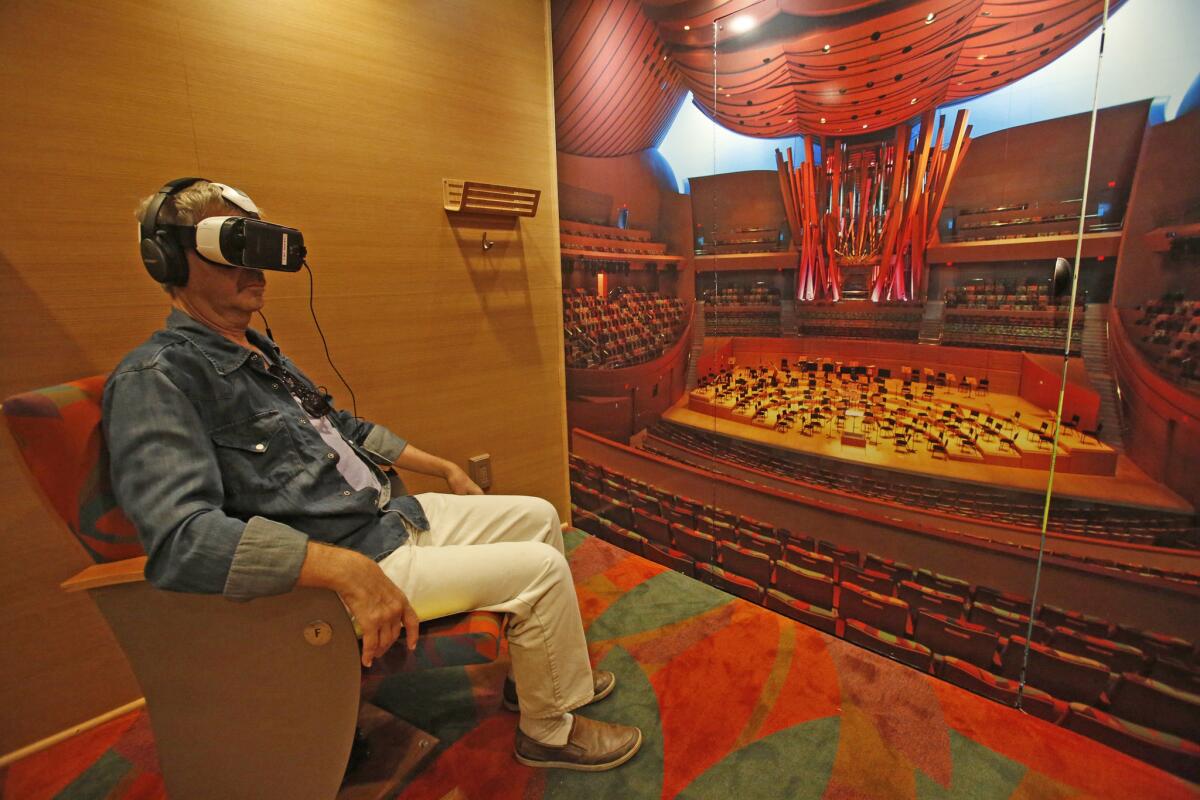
[{"x": 786, "y": 67}]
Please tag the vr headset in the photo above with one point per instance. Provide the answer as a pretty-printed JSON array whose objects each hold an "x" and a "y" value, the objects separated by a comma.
[{"x": 231, "y": 241}]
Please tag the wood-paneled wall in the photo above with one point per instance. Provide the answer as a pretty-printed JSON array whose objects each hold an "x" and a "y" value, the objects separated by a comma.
[
  {"x": 593, "y": 189},
  {"x": 1044, "y": 161},
  {"x": 732, "y": 201},
  {"x": 338, "y": 118},
  {"x": 1166, "y": 191}
]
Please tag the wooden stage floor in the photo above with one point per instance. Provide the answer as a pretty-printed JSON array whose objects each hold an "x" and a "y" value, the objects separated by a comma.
[{"x": 1129, "y": 486}]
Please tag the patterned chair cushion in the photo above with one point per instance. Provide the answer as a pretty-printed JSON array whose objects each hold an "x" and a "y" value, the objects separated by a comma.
[
  {"x": 57, "y": 431},
  {"x": 823, "y": 619},
  {"x": 726, "y": 581}
]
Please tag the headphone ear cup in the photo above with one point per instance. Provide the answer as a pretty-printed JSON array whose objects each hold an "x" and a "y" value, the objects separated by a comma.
[{"x": 164, "y": 259}]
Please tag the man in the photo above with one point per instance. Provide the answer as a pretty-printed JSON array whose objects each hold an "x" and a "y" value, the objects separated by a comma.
[{"x": 243, "y": 481}]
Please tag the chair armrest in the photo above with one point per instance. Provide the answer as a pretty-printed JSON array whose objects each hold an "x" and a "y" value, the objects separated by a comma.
[{"x": 114, "y": 573}]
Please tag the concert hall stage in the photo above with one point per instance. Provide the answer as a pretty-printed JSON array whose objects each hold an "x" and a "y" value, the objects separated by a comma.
[{"x": 1012, "y": 452}]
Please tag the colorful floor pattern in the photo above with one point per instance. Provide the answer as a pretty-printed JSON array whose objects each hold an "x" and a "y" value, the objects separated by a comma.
[{"x": 735, "y": 701}]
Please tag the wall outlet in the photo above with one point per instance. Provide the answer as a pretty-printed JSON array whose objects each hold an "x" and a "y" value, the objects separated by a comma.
[{"x": 480, "y": 470}]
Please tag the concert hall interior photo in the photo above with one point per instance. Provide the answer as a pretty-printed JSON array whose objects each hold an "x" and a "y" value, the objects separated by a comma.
[{"x": 854, "y": 342}]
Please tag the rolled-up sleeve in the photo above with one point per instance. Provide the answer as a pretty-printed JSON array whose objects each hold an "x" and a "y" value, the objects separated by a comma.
[
  {"x": 384, "y": 445},
  {"x": 168, "y": 482}
]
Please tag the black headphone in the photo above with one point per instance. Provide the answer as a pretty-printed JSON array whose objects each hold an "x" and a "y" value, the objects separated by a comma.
[{"x": 162, "y": 254}]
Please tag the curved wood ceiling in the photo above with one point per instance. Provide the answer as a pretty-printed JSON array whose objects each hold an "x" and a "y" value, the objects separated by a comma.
[{"x": 788, "y": 67}]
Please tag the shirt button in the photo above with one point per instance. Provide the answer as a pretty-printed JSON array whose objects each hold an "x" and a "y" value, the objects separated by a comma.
[
  {"x": 260, "y": 447},
  {"x": 274, "y": 385},
  {"x": 346, "y": 493},
  {"x": 331, "y": 455}
]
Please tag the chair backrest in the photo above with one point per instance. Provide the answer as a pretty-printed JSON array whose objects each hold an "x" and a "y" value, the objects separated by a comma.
[
  {"x": 700, "y": 546},
  {"x": 949, "y": 637},
  {"x": 885, "y": 613},
  {"x": 745, "y": 562},
  {"x": 1144, "y": 701},
  {"x": 802, "y": 584},
  {"x": 57, "y": 431}
]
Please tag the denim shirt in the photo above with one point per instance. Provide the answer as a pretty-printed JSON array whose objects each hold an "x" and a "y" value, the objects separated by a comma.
[{"x": 223, "y": 475}]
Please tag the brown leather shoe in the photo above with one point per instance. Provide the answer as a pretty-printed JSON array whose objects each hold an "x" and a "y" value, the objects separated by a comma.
[
  {"x": 603, "y": 682},
  {"x": 592, "y": 746}
]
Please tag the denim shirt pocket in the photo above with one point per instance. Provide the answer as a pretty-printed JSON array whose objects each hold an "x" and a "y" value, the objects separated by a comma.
[{"x": 255, "y": 454}]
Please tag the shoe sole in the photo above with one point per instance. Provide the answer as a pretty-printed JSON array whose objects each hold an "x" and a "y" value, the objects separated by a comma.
[
  {"x": 595, "y": 698},
  {"x": 582, "y": 767}
]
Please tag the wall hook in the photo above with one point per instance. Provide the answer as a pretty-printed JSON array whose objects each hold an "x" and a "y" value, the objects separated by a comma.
[{"x": 487, "y": 243}]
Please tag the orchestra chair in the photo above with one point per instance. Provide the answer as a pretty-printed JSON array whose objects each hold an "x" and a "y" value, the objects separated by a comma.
[{"x": 256, "y": 699}]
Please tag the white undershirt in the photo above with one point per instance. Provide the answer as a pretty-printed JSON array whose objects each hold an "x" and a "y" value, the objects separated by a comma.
[{"x": 354, "y": 470}]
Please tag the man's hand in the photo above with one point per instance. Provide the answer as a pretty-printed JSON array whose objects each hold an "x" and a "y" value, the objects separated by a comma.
[
  {"x": 378, "y": 606},
  {"x": 459, "y": 483}
]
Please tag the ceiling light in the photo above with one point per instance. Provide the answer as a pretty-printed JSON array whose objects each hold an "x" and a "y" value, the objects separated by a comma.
[
  {"x": 981, "y": 57},
  {"x": 929, "y": 18},
  {"x": 822, "y": 120},
  {"x": 687, "y": 27},
  {"x": 742, "y": 24},
  {"x": 826, "y": 48},
  {"x": 864, "y": 124},
  {"x": 912, "y": 102}
]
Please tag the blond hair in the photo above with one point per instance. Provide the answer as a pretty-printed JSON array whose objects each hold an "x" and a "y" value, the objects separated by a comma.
[{"x": 187, "y": 207}]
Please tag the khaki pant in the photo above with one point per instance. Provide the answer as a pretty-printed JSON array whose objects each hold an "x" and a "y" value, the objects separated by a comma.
[{"x": 505, "y": 554}]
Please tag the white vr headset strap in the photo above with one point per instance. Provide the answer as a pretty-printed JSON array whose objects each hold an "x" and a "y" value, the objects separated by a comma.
[{"x": 238, "y": 198}]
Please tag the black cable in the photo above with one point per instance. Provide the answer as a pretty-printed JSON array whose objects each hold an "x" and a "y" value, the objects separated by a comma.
[
  {"x": 266, "y": 325},
  {"x": 329, "y": 358}
]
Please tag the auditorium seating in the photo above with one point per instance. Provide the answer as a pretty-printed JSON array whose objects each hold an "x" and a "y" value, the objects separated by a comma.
[
  {"x": 626, "y": 328},
  {"x": 739, "y": 310},
  {"x": 1145, "y": 701},
  {"x": 1163, "y": 750},
  {"x": 1167, "y": 332},
  {"x": 1027, "y": 295},
  {"x": 741, "y": 295},
  {"x": 899, "y": 321},
  {"x": 930, "y": 621},
  {"x": 953, "y": 636},
  {"x": 1012, "y": 329},
  {"x": 1076, "y": 517},
  {"x": 1009, "y": 315},
  {"x": 983, "y": 682},
  {"x": 1063, "y": 675}
]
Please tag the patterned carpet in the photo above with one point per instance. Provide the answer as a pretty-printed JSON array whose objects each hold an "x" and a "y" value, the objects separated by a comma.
[{"x": 734, "y": 700}]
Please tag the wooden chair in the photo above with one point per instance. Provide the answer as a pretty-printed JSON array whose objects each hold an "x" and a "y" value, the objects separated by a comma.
[{"x": 247, "y": 700}]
